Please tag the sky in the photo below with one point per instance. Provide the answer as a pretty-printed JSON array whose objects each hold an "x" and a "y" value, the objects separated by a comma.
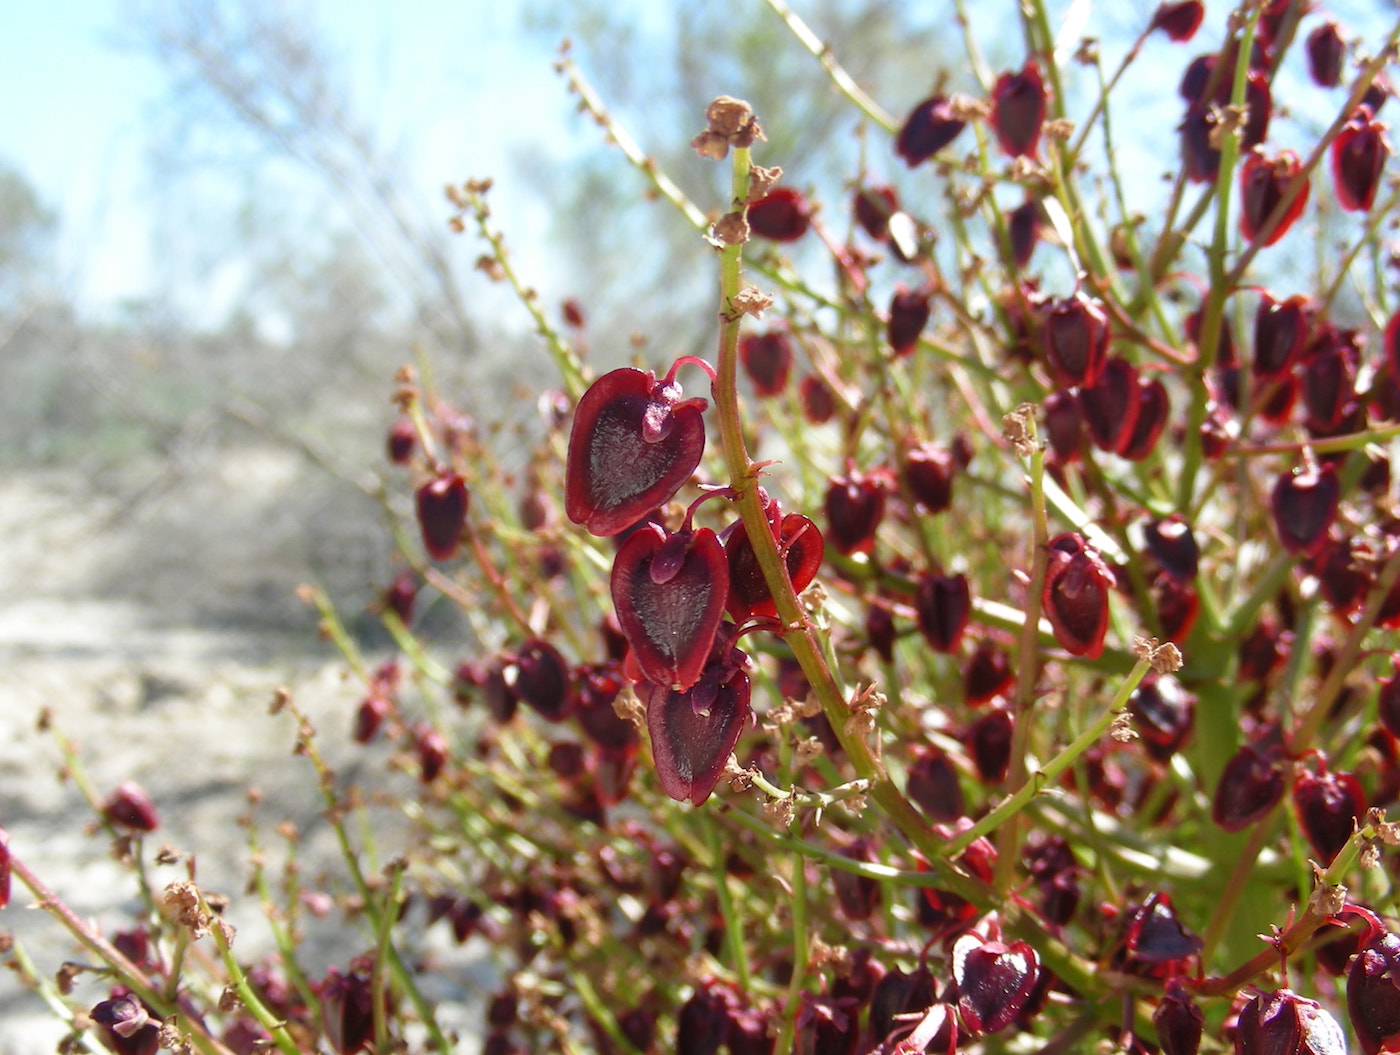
[{"x": 431, "y": 74}]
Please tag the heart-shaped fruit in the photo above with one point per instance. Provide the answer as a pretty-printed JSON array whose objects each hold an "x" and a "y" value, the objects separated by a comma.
[
  {"x": 1304, "y": 505},
  {"x": 1076, "y": 595},
  {"x": 669, "y": 591},
  {"x": 995, "y": 981},
  {"x": 1329, "y": 805},
  {"x": 943, "y": 603},
  {"x": 1263, "y": 181},
  {"x": 691, "y": 743},
  {"x": 1359, "y": 155},
  {"x": 1250, "y": 786},
  {"x": 1018, "y": 110},
  {"x": 441, "y": 504},
  {"x": 1284, "y": 1023},
  {"x": 1076, "y": 340},
  {"x": 1157, "y": 935},
  {"x": 927, "y": 130},
  {"x": 801, "y": 544},
  {"x": 1373, "y": 994},
  {"x": 635, "y": 441}
]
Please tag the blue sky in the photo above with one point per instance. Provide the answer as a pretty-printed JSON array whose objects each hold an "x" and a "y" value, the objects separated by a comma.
[{"x": 80, "y": 106}]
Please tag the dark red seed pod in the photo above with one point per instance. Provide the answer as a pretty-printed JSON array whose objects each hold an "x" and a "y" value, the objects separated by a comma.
[
  {"x": 1284, "y": 1023},
  {"x": 1153, "y": 409},
  {"x": 1172, "y": 543},
  {"x": 880, "y": 631},
  {"x": 1304, "y": 504},
  {"x": 1200, "y": 159},
  {"x": 1023, "y": 226},
  {"x": 1344, "y": 569},
  {"x": 634, "y": 443},
  {"x": 442, "y": 513},
  {"x": 573, "y": 314},
  {"x": 855, "y": 505},
  {"x": 1329, "y": 379},
  {"x": 124, "y": 1024},
  {"x": 1263, "y": 181},
  {"x": 1280, "y": 334},
  {"x": 1377, "y": 93},
  {"x": 995, "y": 981},
  {"x": 4, "y": 868},
  {"x": 1163, "y": 714},
  {"x": 347, "y": 1011},
  {"x": 669, "y": 593},
  {"x": 1178, "y": 604},
  {"x": 498, "y": 692},
  {"x": 1156, "y": 935},
  {"x": 1076, "y": 340},
  {"x": 818, "y": 401},
  {"x": 802, "y": 547},
  {"x": 543, "y": 680},
  {"x": 128, "y": 806},
  {"x": 928, "y": 473},
  {"x": 401, "y": 595},
  {"x": 1064, "y": 425},
  {"x": 1250, "y": 786},
  {"x": 1180, "y": 20},
  {"x": 988, "y": 741},
  {"x": 873, "y": 207},
  {"x": 1110, "y": 405},
  {"x": 431, "y": 748},
  {"x": 898, "y": 993},
  {"x": 596, "y": 687},
  {"x": 781, "y": 215},
  {"x": 1358, "y": 158},
  {"x": 927, "y": 130},
  {"x": 1018, "y": 110},
  {"x": 1328, "y": 804},
  {"x": 369, "y": 716},
  {"x": 691, "y": 741},
  {"x": 1262, "y": 650},
  {"x": 943, "y": 603},
  {"x": 1325, "y": 52},
  {"x": 987, "y": 674},
  {"x": 909, "y": 314},
  {"x": 1077, "y": 583},
  {"x": 767, "y": 359},
  {"x": 934, "y": 786},
  {"x": 702, "y": 1022},
  {"x": 403, "y": 440},
  {"x": 1179, "y": 1022},
  {"x": 1372, "y": 1004}
]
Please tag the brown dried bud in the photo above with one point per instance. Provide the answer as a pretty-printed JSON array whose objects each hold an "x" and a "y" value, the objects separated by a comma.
[
  {"x": 730, "y": 123},
  {"x": 182, "y": 902}
]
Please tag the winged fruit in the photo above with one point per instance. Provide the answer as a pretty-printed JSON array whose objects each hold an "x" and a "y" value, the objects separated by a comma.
[{"x": 634, "y": 443}]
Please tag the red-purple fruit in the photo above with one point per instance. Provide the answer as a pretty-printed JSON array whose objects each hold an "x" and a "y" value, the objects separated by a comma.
[
  {"x": 702, "y": 1021},
  {"x": 800, "y": 544},
  {"x": 1163, "y": 714},
  {"x": 858, "y": 895},
  {"x": 1064, "y": 425},
  {"x": 818, "y": 402},
  {"x": 1076, "y": 595},
  {"x": 781, "y": 215},
  {"x": 1177, "y": 604},
  {"x": 987, "y": 674},
  {"x": 1373, "y": 995},
  {"x": 1263, "y": 181},
  {"x": 124, "y": 1024},
  {"x": 855, "y": 505},
  {"x": 1328, "y": 804},
  {"x": 873, "y": 207},
  {"x": 1023, "y": 225},
  {"x": 543, "y": 680},
  {"x": 896, "y": 994},
  {"x": 442, "y": 512},
  {"x": 693, "y": 732},
  {"x": 669, "y": 591},
  {"x": 1280, "y": 333},
  {"x": 1110, "y": 405},
  {"x": 934, "y": 786},
  {"x": 1358, "y": 157},
  {"x": 943, "y": 603},
  {"x": 928, "y": 473},
  {"x": 1018, "y": 110},
  {"x": 1284, "y": 1023},
  {"x": 128, "y": 806},
  {"x": 347, "y": 1011},
  {"x": 1250, "y": 786},
  {"x": 909, "y": 314},
  {"x": 995, "y": 981},
  {"x": 767, "y": 359},
  {"x": 1172, "y": 543},
  {"x": 4, "y": 868},
  {"x": 431, "y": 748},
  {"x": 1180, "y": 20},
  {"x": 1156, "y": 935},
  {"x": 403, "y": 438},
  {"x": 1325, "y": 52},
  {"x": 988, "y": 741},
  {"x": 1304, "y": 504},
  {"x": 634, "y": 443},
  {"x": 927, "y": 130},
  {"x": 1076, "y": 340},
  {"x": 1179, "y": 1022},
  {"x": 880, "y": 631}
]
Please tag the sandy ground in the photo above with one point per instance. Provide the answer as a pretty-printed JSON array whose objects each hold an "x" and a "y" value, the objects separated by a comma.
[{"x": 146, "y": 695}]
